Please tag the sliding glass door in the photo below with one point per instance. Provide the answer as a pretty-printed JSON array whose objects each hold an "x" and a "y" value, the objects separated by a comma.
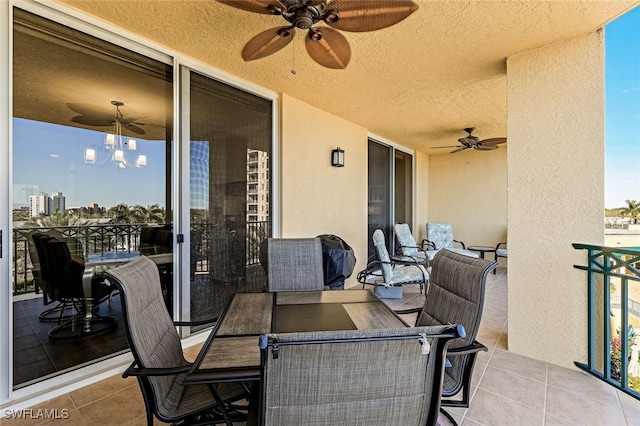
[
  {"x": 390, "y": 189},
  {"x": 92, "y": 144},
  {"x": 230, "y": 139}
]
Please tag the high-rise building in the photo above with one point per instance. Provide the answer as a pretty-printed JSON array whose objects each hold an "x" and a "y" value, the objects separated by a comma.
[
  {"x": 257, "y": 186},
  {"x": 46, "y": 204}
]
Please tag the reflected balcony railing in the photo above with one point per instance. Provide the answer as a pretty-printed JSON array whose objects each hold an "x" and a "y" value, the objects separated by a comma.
[
  {"x": 126, "y": 237},
  {"x": 613, "y": 322}
]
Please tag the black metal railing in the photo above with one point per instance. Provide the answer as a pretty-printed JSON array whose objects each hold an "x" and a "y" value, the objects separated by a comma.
[
  {"x": 126, "y": 237},
  {"x": 613, "y": 289}
]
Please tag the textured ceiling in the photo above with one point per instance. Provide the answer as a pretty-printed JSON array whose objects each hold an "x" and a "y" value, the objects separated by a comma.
[{"x": 417, "y": 83}]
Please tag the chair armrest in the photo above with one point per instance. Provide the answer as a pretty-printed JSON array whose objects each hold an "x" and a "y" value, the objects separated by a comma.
[
  {"x": 408, "y": 311},
  {"x": 194, "y": 323},
  {"x": 469, "y": 349},
  {"x": 430, "y": 244},
  {"x": 461, "y": 243},
  {"x": 134, "y": 370},
  {"x": 501, "y": 244}
]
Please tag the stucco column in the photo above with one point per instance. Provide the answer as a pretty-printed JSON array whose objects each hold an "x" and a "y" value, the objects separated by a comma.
[{"x": 555, "y": 122}]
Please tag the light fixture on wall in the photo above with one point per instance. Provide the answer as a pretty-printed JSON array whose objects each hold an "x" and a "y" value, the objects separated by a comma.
[
  {"x": 115, "y": 142},
  {"x": 337, "y": 157}
]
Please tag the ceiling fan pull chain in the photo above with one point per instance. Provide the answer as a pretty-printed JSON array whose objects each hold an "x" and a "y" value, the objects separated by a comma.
[{"x": 293, "y": 56}]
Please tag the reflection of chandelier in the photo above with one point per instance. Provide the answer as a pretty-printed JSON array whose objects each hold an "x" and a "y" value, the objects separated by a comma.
[{"x": 115, "y": 142}]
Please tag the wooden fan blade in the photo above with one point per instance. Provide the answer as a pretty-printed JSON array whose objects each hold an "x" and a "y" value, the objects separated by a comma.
[
  {"x": 481, "y": 147},
  {"x": 448, "y": 146},
  {"x": 493, "y": 141},
  {"x": 92, "y": 121},
  {"x": 328, "y": 47},
  {"x": 269, "y": 7},
  {"x": 459, "y": 149},
  {"x": 267, "y": 43},
  {"x": 358, "y": 16},
  {"x": 135, "y": 129}
]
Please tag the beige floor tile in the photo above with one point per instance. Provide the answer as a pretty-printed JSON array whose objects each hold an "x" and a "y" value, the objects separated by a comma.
[
  {"x": 573, "y": 408},
  {"x": 523, "y": 366},
  {"x": 512, "y": 386},
  {"x": 630, "y": 409},
  {"x": 575, "y": 381},
  {"x": 550, "y": 420},
  {"x": 106, "y": 387},
  {"x": 478, "y": 372},
  {"x": 119, "y": 408},
  {"x": 74, "y": 418},
  {"x": 490, "y": 409}
]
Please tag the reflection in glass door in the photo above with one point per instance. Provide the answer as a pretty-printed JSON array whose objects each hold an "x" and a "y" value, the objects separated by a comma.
[
  {"x": 230, "y": 139},
  {"x": 91, "y": 138},
  {"x": 379, "y": 187}
]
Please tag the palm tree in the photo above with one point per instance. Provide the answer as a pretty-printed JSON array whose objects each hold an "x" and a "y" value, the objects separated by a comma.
[
  {"x": 631, "y": 210},
  {"x": 150, "y": 214},
  {"x": 121, "y": 213}
]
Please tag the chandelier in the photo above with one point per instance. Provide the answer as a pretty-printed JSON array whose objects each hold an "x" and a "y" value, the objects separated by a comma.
[{"x": 116, "y": 143}]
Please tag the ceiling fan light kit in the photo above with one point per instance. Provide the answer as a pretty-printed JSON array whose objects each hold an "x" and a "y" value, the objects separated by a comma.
[
  {"x": 471, "y": 141},
  {"x": 325, "y": 44}
]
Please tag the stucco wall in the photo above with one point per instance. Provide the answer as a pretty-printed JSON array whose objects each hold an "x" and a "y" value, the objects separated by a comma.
[
  {"x": 556, "y": 193},
  {"x": 469, "y": 190},
  {"x": 317, "y": 198}
]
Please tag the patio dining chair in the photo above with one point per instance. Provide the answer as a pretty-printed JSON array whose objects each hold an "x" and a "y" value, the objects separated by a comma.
[
  {"x": 456, "y": 296},
  {"x": 440, "y": 236},
  {"x": 389, "y": 275},
  {"x": 64, "y": 275},
  {"x": 294, "y": 264},
  {"x": 159, "y": 363},
  {"x": 311, "y": 378}
]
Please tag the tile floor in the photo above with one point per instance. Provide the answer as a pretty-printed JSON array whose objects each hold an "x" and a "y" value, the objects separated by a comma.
[{"x": 509, "y": 389}]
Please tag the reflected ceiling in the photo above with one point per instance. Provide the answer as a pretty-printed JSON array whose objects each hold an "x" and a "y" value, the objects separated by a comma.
[{"x": 418, "y": 83}]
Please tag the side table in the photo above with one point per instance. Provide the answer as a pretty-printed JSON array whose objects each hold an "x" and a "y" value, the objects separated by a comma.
[{"x": 482, "y": 250}]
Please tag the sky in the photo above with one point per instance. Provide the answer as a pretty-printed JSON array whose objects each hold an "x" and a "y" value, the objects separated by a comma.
[
  {"x": 49, "y": 158},
  {"x": 622, "y": 109}
]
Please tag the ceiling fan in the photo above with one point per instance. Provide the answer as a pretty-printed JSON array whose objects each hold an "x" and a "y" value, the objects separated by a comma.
[
  {"x": 91, "y": 115},
  {"x": 474, "y": 142},
  {"x": 325, "y": 45}
]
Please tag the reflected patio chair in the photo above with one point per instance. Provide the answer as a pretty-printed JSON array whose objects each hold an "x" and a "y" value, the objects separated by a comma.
[
  {"x": 440, "y": 236},
  {"x": 501, "y": 251},
  {"x": 294, "y": 264},
  {"x": 65, "y": 284},
  {"x": 310, "y": 378},
  {"x": 409, "y": 248},
  {"x": 456, "y": 296},
  {"x": 389, "y": 275},
  {"x": 159, "y": 363}
]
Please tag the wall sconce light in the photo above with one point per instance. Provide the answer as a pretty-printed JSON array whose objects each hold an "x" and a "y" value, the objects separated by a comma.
[{"x": 337, "y": 157}]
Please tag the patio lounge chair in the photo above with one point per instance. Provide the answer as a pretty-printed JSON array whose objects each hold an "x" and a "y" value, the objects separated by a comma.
[
  {"x": 313, "y": 379},
  {"x": 409, "y": 248},
  {"x": 159, "y": 363},
  {"x": 440, "y": 236},
  {"x": 501, "y": 251},
  {"x": 456, "y": 295},
  {"x": 388, "y": 275}
]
